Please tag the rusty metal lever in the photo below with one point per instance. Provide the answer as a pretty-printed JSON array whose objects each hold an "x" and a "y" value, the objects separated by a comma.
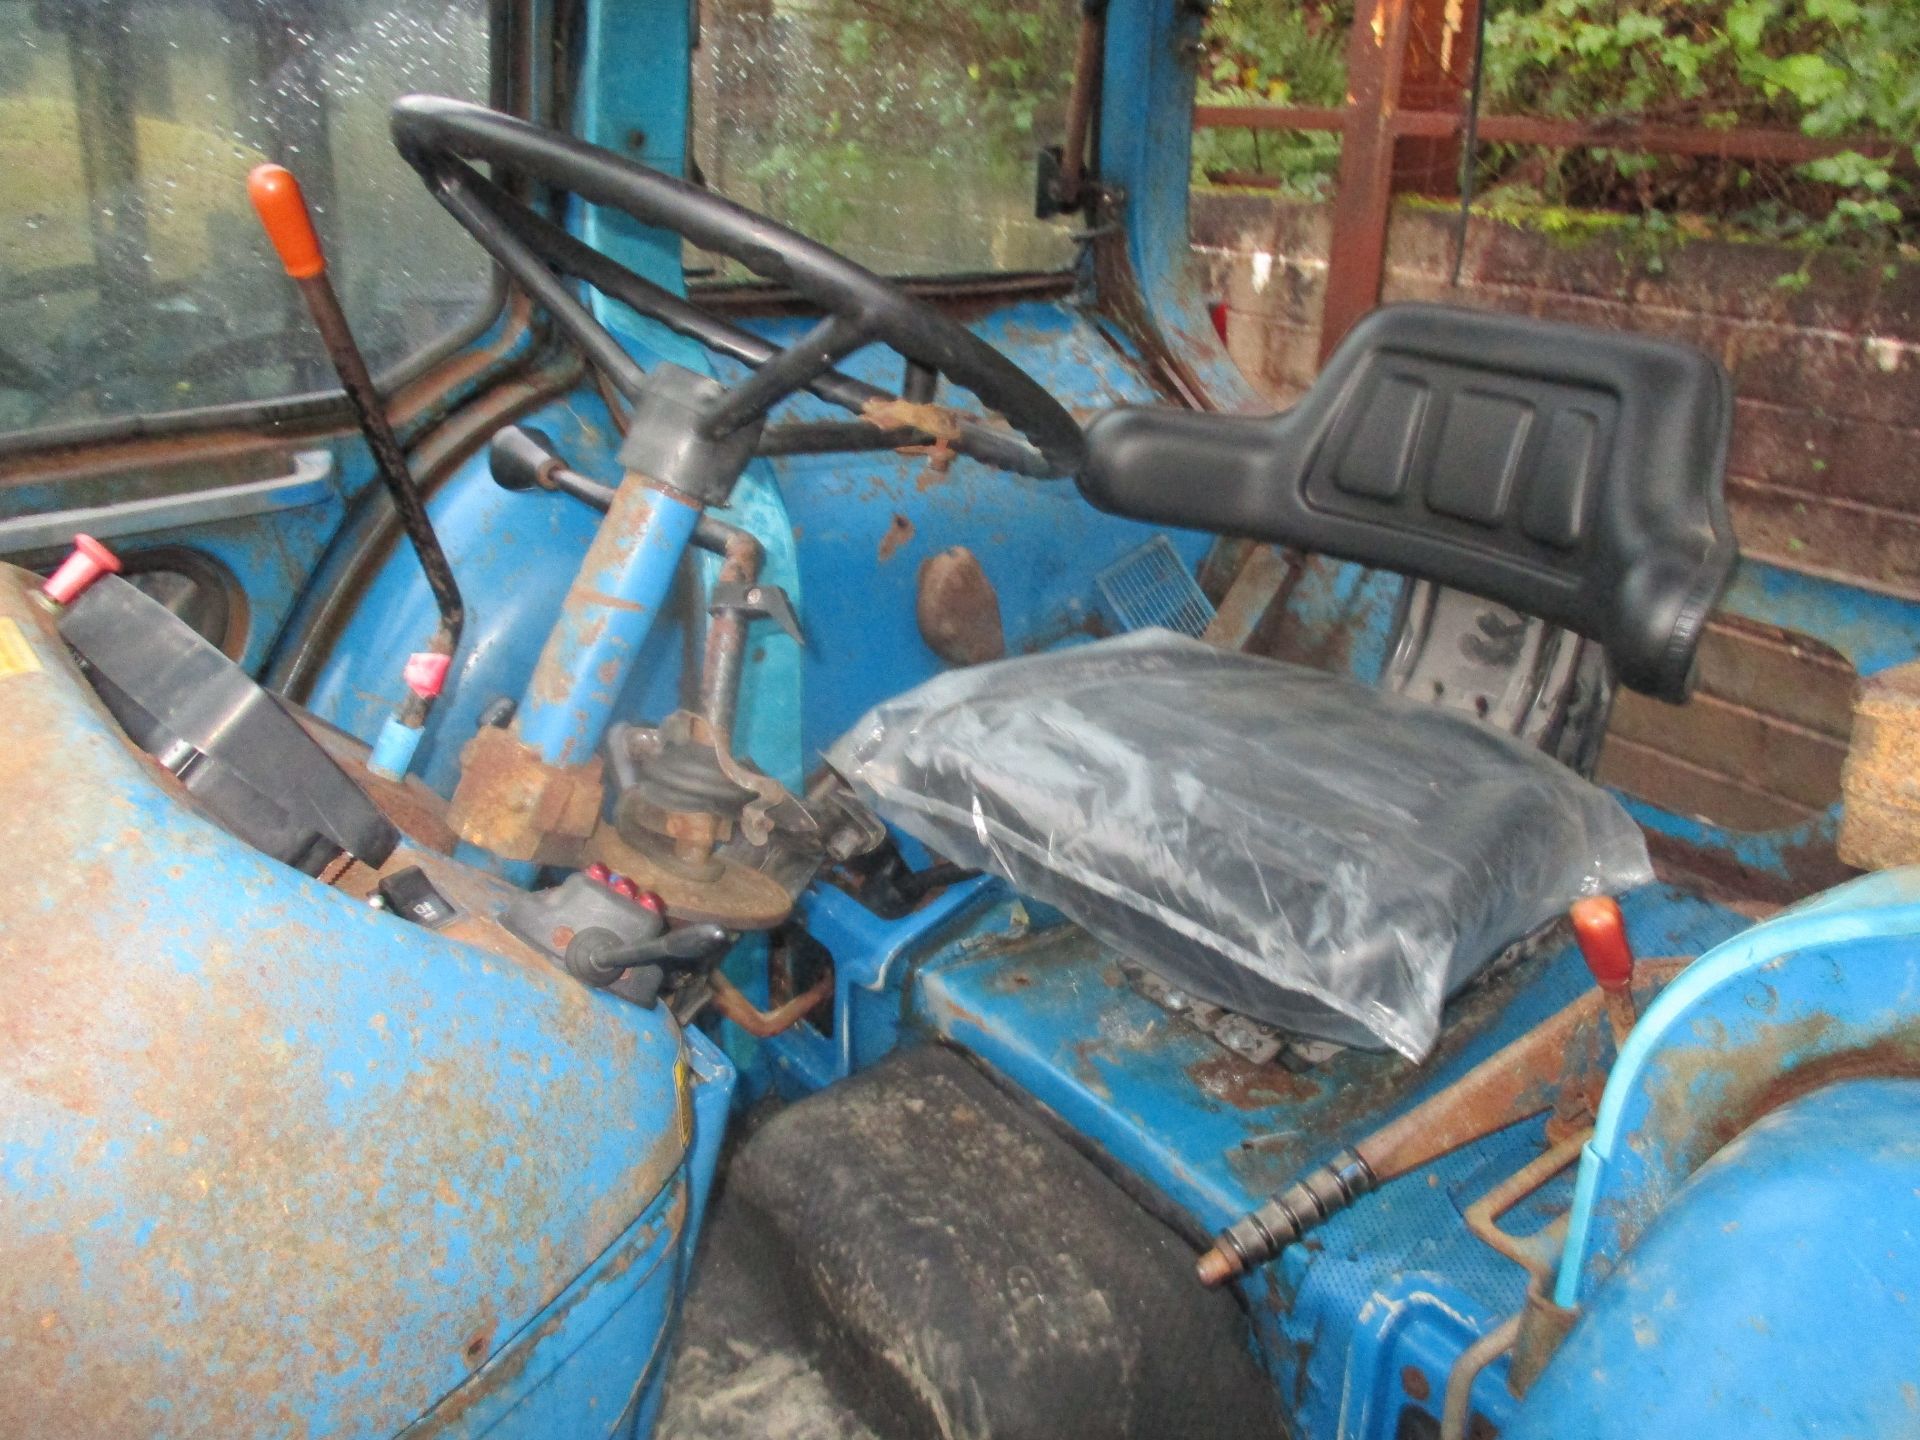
[{"x": 1558, "y": 1066}]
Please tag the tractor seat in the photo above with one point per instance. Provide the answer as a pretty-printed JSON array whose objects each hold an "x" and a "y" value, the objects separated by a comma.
[{"x": 1297, "y": 846}]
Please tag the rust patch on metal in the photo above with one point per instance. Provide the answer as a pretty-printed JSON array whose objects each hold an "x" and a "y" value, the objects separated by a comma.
[
  {"x": 763, "y": 1024},
  {"x": 1703, "y": 1095},
  {"x": 958, "y": 610},
  {"x": 504, "y": 1375},
  {"x": 1084, "y": 1052},
  {"x": 1247, "y": 1086},
  {"x": 511, "y": 802},
  {"x": 1283, "y": 633},
  {"x": 1757, "y": 1080},
  {"x": 1716, "y": 875},
  {"x": 309, "y": 1207},
  {"x": 735, "y": 896},
  {"x": 899, "y": 532},
  {"x": 587, "y": 596}
]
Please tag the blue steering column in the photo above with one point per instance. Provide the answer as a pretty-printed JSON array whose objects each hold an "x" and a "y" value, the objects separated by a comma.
[{"x": 606, "y": 618}]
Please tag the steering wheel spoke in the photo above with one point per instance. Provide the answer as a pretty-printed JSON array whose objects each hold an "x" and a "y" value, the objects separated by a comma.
[
  {"x": 786, "y": 373},
  {"x": 462, "y": 191}
]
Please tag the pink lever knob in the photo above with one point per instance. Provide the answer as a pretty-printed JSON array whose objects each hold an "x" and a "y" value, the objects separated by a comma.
[
  {"x": 88, "y": 562},
  {"x": 426, "y": 673}
]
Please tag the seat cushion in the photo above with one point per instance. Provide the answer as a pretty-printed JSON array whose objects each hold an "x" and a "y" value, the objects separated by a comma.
[{"x": 1293, "y": 845}]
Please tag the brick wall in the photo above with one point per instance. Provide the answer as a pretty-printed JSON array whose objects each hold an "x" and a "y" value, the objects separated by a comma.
[{"x": 1825, "y": 467}]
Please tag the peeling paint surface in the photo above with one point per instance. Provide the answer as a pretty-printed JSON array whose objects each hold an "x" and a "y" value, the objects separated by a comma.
[
  {"x": 276, "y": 1163},
  {"x": 1822, "y": 993},
  {"x": 1395, "y": 1285}
]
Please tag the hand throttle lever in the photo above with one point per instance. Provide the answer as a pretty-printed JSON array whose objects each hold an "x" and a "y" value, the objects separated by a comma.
[{"x": 599, "y": 957}]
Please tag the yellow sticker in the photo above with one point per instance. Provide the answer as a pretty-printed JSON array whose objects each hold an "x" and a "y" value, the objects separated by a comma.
[{"x": 16, "y": 655}]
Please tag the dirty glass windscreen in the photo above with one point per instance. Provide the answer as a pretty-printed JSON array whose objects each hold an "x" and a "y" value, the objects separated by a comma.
[
  {"x": 902, "y": 133},
  {"x": 133, "y": 275}
]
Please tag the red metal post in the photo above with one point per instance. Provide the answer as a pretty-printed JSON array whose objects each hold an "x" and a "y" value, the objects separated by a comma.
[
  {"x": 1376, "y": 63},
  {"x": 1439, "y": 67}
]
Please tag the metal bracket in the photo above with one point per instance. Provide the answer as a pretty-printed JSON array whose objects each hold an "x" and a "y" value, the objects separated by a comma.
[{"x": 756, "y": 601}]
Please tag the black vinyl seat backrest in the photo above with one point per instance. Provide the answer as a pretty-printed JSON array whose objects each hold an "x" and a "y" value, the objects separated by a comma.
[{"x": 1573, "y": 474}]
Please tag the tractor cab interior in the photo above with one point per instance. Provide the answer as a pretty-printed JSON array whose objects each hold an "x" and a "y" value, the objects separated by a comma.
[{"x": 705, "y": 864}]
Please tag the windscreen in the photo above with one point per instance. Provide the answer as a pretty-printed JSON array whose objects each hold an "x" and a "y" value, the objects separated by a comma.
[{"x": 902, "y": 133}]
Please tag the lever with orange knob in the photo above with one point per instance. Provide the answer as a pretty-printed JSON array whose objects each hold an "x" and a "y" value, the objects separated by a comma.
[
  {"x": 1601, "y": 932},
  {"x": 283, "y": 213}
]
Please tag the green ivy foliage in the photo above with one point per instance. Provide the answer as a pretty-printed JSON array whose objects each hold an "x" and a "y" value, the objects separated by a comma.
[
  {"x": 909, "y": 98},
  {"x": 1831, "y": 68},
  {"x": 1280, "y": 53}
]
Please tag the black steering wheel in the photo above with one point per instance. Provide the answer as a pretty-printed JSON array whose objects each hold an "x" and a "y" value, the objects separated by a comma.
[{"x": 439, "y": 137}]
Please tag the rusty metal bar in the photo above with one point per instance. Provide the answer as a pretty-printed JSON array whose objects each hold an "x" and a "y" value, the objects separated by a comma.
[
  {"x": 726, "y": 647},
  {"x": 1456, "y": 1411},
  {"x": 1738, "y": 143},
  {"x": 1089, "y": 46},
  {"x": 1270, "y": 117},
  {"x": 1548, "y": 1068},
  {"x": 1363, "y": 204},
  {"x": 1483, "y": 1215},
  {"x": 1439, "y": 35},
  {"x": 763, "y": 1024}
]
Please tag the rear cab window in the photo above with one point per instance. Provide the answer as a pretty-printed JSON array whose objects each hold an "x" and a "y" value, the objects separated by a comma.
[{"x": 134, "y": 280}]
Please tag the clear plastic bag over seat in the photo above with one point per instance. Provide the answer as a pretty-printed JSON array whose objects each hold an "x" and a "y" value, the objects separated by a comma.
[{"x": 1293, "y": 845}]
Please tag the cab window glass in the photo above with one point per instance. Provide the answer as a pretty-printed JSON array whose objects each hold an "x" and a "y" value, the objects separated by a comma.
[
  {"x": 133, "y": 276},
  {"x": 900, "y": 132}
]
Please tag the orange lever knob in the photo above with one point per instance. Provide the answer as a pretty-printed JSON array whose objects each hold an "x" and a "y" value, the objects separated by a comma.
[
  {"x": 1601, "y": 931},
  {"x": 283, "y": 213}
]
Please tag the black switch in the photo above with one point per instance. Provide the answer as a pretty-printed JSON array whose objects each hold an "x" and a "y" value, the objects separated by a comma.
[{"x": 410, "y": 895}]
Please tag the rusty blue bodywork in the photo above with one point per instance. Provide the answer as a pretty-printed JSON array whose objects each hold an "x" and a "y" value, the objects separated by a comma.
[
  {"x": 1384, "y": 1298},
  {"x": 357, "y": 1178},
  {"x": 1822, "y": 992},
  {"x": 1783, "y": 1265},
  {"x": 279, "y": 1164}
]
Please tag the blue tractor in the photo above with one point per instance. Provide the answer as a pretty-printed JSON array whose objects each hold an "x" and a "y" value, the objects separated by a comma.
[{"x": 646, "y": 828}]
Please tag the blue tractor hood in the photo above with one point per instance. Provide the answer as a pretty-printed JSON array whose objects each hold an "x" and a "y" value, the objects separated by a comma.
[{"x": 277, "y": 1162}]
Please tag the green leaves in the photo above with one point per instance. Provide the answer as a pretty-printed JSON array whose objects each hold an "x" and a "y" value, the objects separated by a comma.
[
  {"x": 1827, "y": 67},
  {"x": 1811, "y": 80},
  {"x": 1274, "y": 52}
]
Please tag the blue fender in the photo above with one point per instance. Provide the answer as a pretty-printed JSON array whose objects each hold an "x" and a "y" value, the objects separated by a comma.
[
  {"x": 1826, "y": 990},
  {"x": 1778, "y": 1294}
]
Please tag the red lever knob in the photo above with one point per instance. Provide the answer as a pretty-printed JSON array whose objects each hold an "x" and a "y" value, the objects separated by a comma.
[
  {"x": 1601, "y": 931},
  {"x": 283, "y": 212},
  {"x": 88, "y": 562}
]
